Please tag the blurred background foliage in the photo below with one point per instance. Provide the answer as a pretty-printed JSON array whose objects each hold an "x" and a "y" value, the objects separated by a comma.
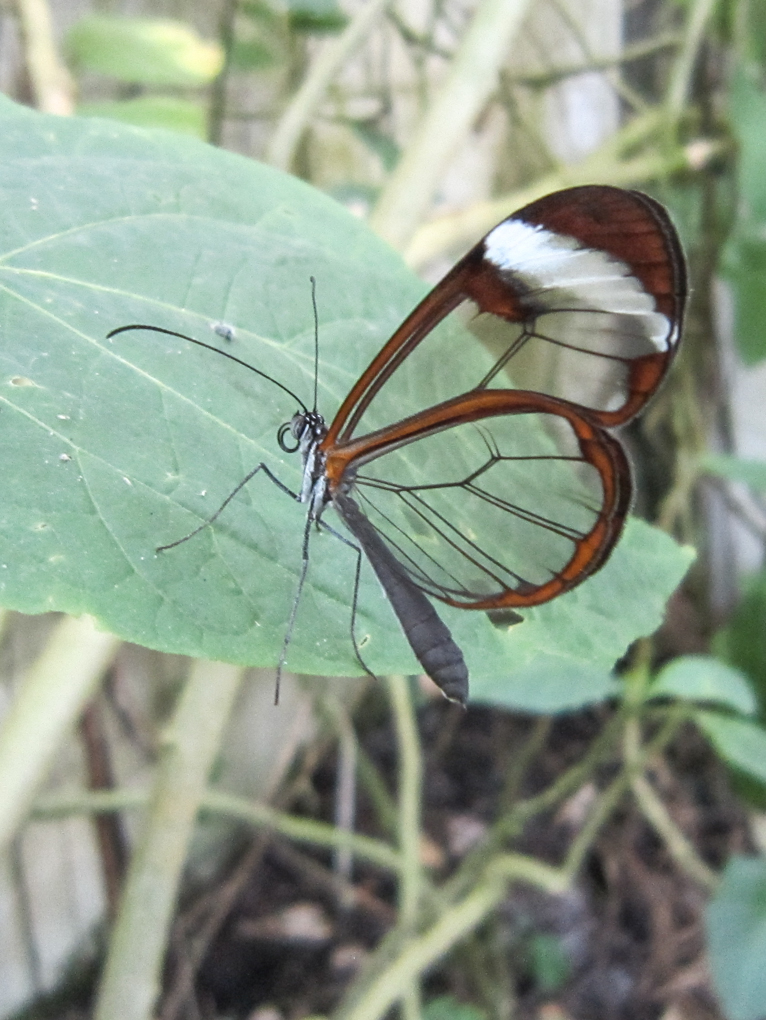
[{"x": 432, "y": 119}]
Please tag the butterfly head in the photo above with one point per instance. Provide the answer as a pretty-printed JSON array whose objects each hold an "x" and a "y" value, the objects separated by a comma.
[{"x": 307, "y": 429}]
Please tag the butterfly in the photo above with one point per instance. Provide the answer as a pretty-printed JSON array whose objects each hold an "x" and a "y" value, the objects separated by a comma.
[{"x": 509, "y": 489}]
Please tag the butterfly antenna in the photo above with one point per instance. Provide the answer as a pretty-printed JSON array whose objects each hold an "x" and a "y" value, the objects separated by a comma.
[
  {"x": 316, "y": 340},
  {"x": 215, "y": 350}
]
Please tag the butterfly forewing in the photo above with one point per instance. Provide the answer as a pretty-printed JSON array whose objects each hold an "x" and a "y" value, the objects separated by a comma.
[{"x": 578, "y": 296}]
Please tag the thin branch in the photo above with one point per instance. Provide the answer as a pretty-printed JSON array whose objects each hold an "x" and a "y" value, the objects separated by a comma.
[
  {"x": 131, "y": 980},
  {"x": 47, "y": 704},
  {"x": 410, "y": 780},
  {"x": 472, "y": 79},
  {"x": 249, "y": 812},
  {"x": 638, "y": 51},
  {"x": 52, "y": 84},
  {"x": 693, "y": 36},
  {"x": 464, "y": 228},
  {"x": 371, "y": 999},
  {"x": 410, "y": 784},
  {"x": 331, "y": 58},
  {"x": 218, "y": 89},
  {"x": 655, "y": 812}
]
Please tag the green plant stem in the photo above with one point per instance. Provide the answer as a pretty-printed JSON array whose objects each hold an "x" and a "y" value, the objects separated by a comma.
[
  {"x": 609, "y": 164},
  {"x": 655, "y": 812},
  {"x": 700, "y": 12},
  {"x": 248, "y": 812},
  {"x": 409, "y": 823},
  {"x": 331, "y": 58},
  {"x": 636, "y": 51},
  {"x": 50, "y": 698},
  {"x": 410, "y": 780},
  {"x": 345, "y": 780},
  {"x": 612, "y": 794},
  {"x": 599, "y": 813},
  {"x": 219, "y": 85},
  {"x": 510, "y": 824},
  {"x": 472, "y": 78},
  {"x": 412, "y": 1004},
  {"x": 521, "y": 761},
  {"x": 51, "y": 82},
  {"x": 415, "y": 956},
  {"x": 679, "y": 847},
  {"x": 131, "y": 979},
  {"x": 372, "y": 781}
]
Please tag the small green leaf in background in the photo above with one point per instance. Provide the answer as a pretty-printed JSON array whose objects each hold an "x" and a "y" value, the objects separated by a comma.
[
  {"x": 253, "y": 54},
  {"x": 316, "y": 16},
  {"x": 448, "y": 1008},
  {"x": 379, "y": 142},
  {"x": 753, "y": 36},
  {"x": 550, "y": 963},
  {"x": 745, "y": 254},
  {"x": 704, "y": 678},
  {"x": 166, "y": 112},
  {"x": 739, "y": 742},
  {"x": 263, "y": 37},
  {"x": 737, "y": 469},
  {"x": 747, "y": 109},
  {"x": 742, "y": 642},
  {"x": 736, "y": 932},
  {"x": 744, "y": 266},
  {"x": 147, "y": 51}
]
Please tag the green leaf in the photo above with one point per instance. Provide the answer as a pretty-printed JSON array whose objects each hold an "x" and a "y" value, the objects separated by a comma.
[
  {"x": 750, "y": 472},
  {"x": 548, "y": 684},
  {"x": 745, "y": 269},
  {"x": 149, "y": 51},
  {"x": 703, "y": 678},
  {"x": 747, "y": 108},
  {"x": 111, "y": 448},
  {"x": 254, "y": 54},
  {"x": 560, "y": 658},
  {"x": 745, "y": 254},
  {"x": 446, "y": 1007},
  {"x": 736, "y": 931},
  {"x": 383, "y": 145},
  {"x": 755, "y": 32},
  {"x": 316, "y": 16},
  {"x": 739, "y": 742},
  {"x": 167, "y": 112},
  {"x": 742, "y": 642},
  {"x": 550, "y": 962}
]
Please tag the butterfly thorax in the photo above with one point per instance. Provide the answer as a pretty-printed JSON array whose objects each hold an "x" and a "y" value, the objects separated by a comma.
[{"x": 308, "y": 429}]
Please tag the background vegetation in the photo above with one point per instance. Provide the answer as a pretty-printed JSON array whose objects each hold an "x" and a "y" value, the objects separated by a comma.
[{"x": 173, "y": 845}]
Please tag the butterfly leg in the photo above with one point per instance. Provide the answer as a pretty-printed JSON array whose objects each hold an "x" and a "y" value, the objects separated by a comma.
[
  {"x": 354, "y": 594},
  {"x": 294, "y": 610},
  {"x": 261, "y": 467}
]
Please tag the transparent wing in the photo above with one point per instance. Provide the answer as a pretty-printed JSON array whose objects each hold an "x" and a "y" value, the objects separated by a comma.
[
  {"x": 508, "y": 510},
  {"x": 579, "y": 296}
]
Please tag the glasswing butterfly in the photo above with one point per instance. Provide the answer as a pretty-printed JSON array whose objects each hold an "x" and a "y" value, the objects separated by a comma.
[{"x": 508, "y": 490}]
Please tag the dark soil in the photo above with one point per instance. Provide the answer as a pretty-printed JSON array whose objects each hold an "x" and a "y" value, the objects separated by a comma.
[{"x": 626, "y": 943}]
